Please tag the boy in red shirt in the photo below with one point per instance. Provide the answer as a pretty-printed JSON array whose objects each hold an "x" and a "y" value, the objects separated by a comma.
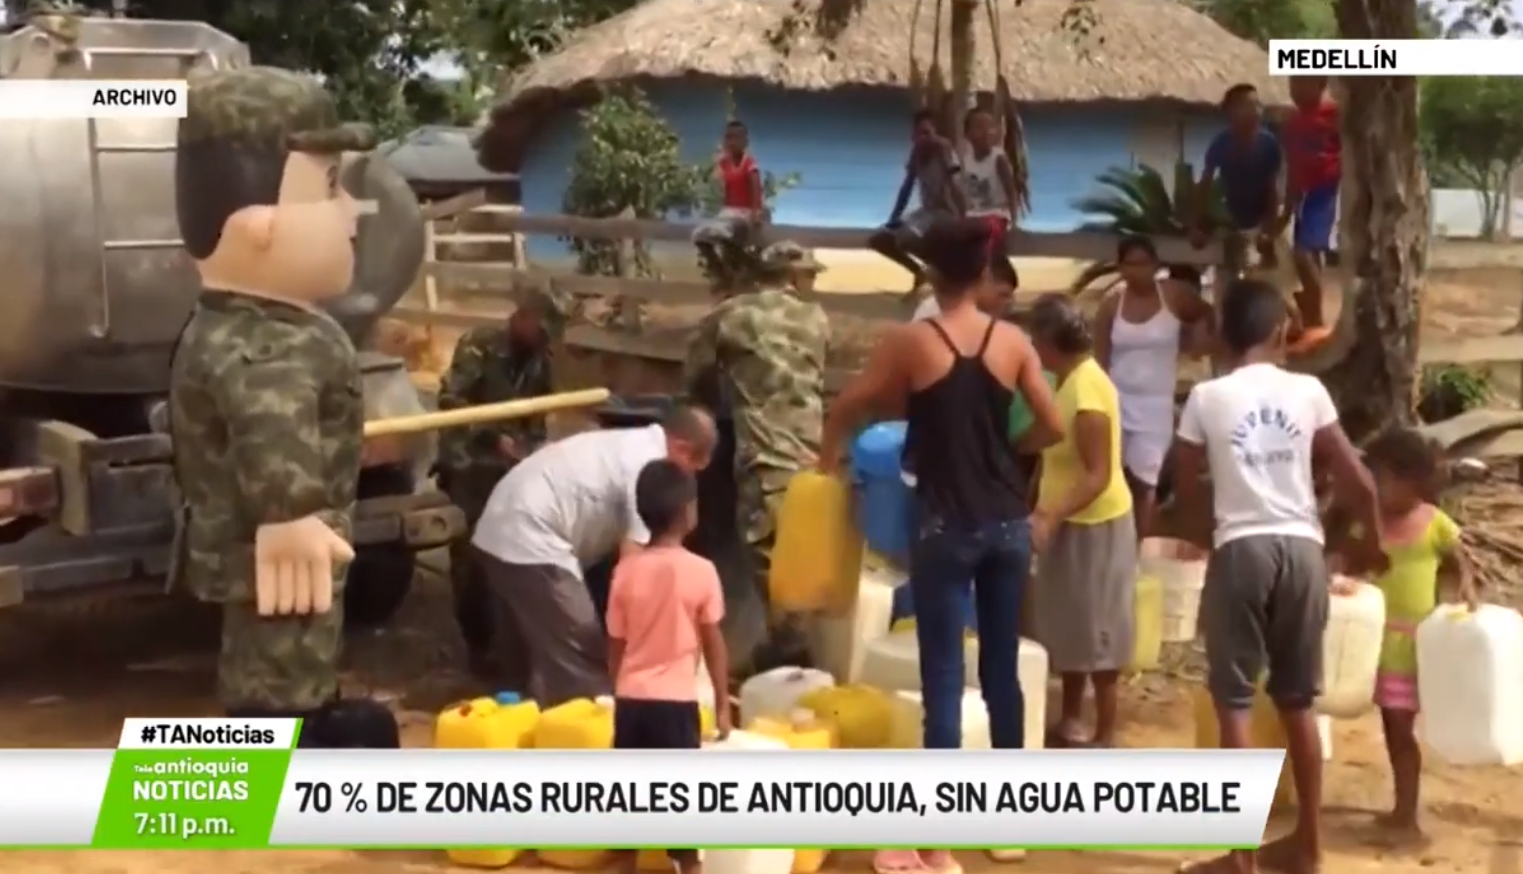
[
  {"x": 742, "y": 206},
  {"x": 664, "y": 609},
  {"x": 1313, "y": 146}
]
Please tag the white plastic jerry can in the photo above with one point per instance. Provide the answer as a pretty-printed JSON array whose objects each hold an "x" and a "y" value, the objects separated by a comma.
[
  {"x": 840, "y": 643},
  {"x": 1351, "y": 651},
  {"x": 775, "y": 694},
  {"x": 1469, "y": 680}
]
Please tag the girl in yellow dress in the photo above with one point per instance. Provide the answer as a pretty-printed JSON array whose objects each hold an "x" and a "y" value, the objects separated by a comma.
[{"x": 1422, "y": 544}]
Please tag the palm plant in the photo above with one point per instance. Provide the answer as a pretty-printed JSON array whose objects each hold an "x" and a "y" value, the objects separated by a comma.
[{"x": 1139, "y": 201}]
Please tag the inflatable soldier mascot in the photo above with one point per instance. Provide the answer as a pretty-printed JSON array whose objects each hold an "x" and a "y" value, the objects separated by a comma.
[{"x": 265, "y": 407}]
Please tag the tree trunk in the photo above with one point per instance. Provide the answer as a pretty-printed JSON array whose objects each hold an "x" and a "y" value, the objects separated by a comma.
[
  {"x": 1385, "y": 218},
  {"x": 960, "y": 33}
]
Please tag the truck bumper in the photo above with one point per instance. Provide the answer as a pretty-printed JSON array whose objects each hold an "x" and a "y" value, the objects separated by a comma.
[
  {"x": 52, "y": 563},
  {"x": 422, "y": 521}
]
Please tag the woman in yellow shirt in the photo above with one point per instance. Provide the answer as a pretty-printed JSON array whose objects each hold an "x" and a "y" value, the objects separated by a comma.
[{"x": 1083, "y": 530}]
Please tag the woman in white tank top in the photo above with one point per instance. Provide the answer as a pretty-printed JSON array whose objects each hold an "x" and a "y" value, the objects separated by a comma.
[{"x": 1140, "y": 331}]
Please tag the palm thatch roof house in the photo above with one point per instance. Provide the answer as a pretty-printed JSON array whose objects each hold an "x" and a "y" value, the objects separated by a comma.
[{"x": 1142, "y": 87}]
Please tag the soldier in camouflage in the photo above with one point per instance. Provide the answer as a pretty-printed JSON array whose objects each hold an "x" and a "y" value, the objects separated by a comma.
[
  {"x": 491, "y": 364},
  {"x": 265, "y": 405},
  {"x": 770, "y": 346}
]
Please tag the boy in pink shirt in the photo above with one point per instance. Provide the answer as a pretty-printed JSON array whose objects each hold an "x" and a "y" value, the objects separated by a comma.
[{"x": 664, "y": 609}]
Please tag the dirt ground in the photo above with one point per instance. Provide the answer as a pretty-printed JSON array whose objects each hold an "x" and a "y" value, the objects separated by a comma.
[{"x": 71, "y": 674}]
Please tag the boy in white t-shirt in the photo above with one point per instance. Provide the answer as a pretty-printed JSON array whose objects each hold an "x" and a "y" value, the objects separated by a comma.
[{"x": 1260, "y": 430}]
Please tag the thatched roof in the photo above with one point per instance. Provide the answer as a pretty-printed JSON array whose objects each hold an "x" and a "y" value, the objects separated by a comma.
[{"x": 1140, "y": 50}]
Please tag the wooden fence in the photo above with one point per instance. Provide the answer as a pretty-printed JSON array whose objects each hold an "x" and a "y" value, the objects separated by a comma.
[
  {"x": 656, "y": 356},
  {"x": 478, "y": 284}
]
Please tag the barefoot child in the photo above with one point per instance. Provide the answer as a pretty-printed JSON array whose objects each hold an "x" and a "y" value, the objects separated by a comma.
[
  {"x": 1313, "y": 146},
  {"x": 1421, "y": 543},
  {"x": 664, "y": 609},
  {"x": 1259, "y": 429},
  {"x": 932, "y": 168},
  {"x": 741, "y": 187}
]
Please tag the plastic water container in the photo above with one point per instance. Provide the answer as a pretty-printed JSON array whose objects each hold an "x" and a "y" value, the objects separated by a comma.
[
  {"x": 884, "y": 502},
  {"x": 1181, "y": 569},
  {"x": 1351, "y": 649},
  {"x": 775, "y": 694},
  {"x": 817, "y": 560},
  {"x": 1469, "y": 673},
  {"x": 486, "y": 724},
  {"x": 893, "y": 663},
  {"x": 858, "y": 716},
  {"x": 1147, "y": 634},
  {"x": 840, "y": 643},
  {"x": 909, "y": 721},
  {"x": 1265, "y": 732},
  {"x": 580, "y": 724},
  {"x": 803, "y": 861}
]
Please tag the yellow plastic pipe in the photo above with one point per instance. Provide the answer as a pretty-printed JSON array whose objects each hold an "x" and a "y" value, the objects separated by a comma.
[{"x": 420, "y": 422}]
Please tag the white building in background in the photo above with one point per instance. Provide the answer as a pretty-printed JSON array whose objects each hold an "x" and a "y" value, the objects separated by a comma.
[{"x": 1457, "y": 212}]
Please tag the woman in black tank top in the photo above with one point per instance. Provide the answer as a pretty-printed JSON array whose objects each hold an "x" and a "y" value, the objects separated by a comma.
[{"x": 955, "y": 376}]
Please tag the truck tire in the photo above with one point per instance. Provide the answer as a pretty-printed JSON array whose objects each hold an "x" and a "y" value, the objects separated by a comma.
[{"x": 382, "y": 573}]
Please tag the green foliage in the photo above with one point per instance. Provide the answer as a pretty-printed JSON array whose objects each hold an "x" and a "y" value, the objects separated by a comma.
[
  {"x": 629, "y": 162},
  {"x": 1137, "y": 201},
  {"x": 1447, "y": 390},
  {"x": 1472, "y": 128},
  {"x": 826, "y": 20},
  {"x": 1263, "y": 20}
]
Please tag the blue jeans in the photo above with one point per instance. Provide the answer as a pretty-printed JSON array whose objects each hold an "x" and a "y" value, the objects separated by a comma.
[
  {"x": 995, "y": 559},
  {"x": 904, "y": 607}
]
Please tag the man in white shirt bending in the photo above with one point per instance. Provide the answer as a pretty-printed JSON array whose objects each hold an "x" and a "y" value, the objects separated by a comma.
[
  {"x": 567, "y": 506},
  {"x": 1259, "y": 430}
]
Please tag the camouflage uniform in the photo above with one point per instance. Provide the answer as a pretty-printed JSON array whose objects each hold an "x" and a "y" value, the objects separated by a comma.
[
  {"x": 770, "y": 345},
  {"x": 266, "y": 415},
  {"x": 485, "y": 369}
]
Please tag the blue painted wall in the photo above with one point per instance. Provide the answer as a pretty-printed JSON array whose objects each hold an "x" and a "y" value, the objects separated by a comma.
[{"x": 848, "y": 147}]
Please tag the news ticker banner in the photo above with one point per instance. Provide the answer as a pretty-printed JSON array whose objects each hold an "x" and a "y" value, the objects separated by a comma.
[
  {"x": 240, "y": 784},
  {"x": 92, "y": 98},
  {"x": 1395, "y": 57}
]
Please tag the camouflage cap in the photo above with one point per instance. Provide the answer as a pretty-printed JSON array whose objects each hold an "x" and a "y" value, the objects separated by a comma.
[
  {"x": 554, "y": 305},
  {"x": 786, "y": 254},
  {"x": 270, "y": 107}
]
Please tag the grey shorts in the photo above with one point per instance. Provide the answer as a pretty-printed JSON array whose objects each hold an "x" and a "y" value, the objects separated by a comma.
[{"x": 1265, "y": 605}]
